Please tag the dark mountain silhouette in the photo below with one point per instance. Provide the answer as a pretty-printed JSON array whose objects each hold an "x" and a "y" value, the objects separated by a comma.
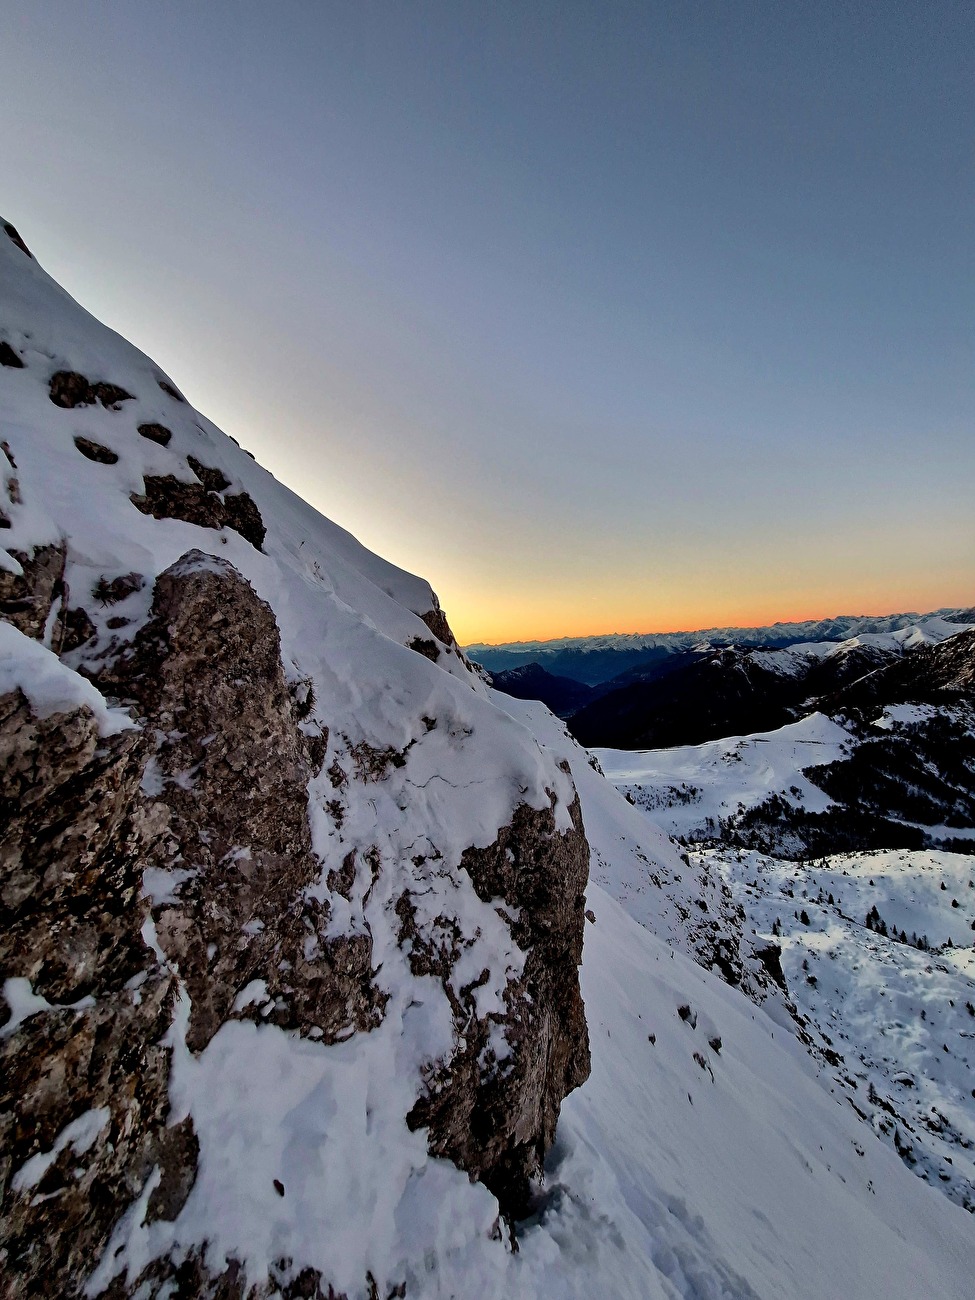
[
  {"x": 714, "y": 693},
  {"x": 719, "y": 693},
  {"x": 704, "y": 694},
  {"x": 591, "y": 667},
  {"x": 563, "y": 695}
]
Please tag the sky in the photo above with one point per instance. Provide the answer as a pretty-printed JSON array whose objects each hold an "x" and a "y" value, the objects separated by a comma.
[{"x": 602, "y": 316}]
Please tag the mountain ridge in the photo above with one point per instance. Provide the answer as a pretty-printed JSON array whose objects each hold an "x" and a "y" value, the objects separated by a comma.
[
  {"x": 792, "y": 630},
  {"x": 596, "y": 660}
]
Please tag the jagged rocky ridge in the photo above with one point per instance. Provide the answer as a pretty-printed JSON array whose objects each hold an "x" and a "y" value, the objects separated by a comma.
[{"x": 248, "y": 779}]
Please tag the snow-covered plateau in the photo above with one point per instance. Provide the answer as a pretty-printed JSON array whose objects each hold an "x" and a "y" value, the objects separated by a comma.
[{"x": 293, "y": 913}]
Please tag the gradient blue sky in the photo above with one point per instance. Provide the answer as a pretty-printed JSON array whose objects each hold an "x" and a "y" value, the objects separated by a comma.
[{"x": 603, "y": 316}]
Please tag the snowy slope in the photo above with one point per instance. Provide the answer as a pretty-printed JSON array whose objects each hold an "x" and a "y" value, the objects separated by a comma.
[
  {"x": 901, "y": 1019},
  {"x": 897, "y": 1017},
  {"x": 665, "y": 1182},
  {"x": 684, "y": 1167},
  {"x": 691, "y": 789},
  {"x": 870, "y": 775},
  {"x": 752, "y": 1184}
]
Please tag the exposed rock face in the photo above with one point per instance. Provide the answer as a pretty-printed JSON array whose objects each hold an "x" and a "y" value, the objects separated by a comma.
[
  {"x": 76, "y": 628},
  {"x": 156, "y": 433},
  {"x": 26, "y": 598},
  {"x": 232, "y": 767},
  {"x": 96, "y": 451},
  {"x": 11, "y": 231},
  {"x": 436, "y": 621},
  {"x": 497, "y": 1123},
  {"x": 70, "y": 389},
  {"x": 243, "y": 516},
  {"x": 425, "y": 646},
  {"x": 82, "y": 1091},
  {"x": 170, "y": 391},
  {"x": 167, "y": 497},
  {"x": 108, "y": 591},
  {"x": 213, "y": 479}
]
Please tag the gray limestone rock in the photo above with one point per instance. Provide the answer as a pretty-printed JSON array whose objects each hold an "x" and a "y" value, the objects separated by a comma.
[
  {"x": 498, "y": 1122},
  {"x": 26, "y": 598},
  {"x": 232, "y": 766},
  {"x": 75, "y": 830}
]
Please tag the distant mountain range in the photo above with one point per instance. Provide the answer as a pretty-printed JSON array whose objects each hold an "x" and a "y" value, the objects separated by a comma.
[
  {"x": 735, "y": 690},
  {"x": 597, "y": 659},
  {"x": 687, "y": 696},
  {"x": 903, "y": 780}
]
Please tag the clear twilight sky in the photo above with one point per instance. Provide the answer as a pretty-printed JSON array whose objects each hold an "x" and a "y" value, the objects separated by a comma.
[{"x": 602, "y": 316}]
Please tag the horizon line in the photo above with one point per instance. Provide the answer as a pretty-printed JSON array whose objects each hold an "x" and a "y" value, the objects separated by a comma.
[{"x": 728, "y": 627}]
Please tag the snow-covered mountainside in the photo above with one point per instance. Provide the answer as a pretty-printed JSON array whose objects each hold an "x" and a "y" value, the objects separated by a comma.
[
  {"x": 258, "y": 804},
  {"x": 875, "y": 949},
  {"x": 886, "y": 760},
  {"x": 697, "y": 792},
  {"x": 877, "y": 954},
  {"x": 293, "y": 907}
]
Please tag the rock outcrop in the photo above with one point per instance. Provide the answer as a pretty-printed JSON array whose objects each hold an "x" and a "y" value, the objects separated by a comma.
[
  {"x": 26, "y": 597},
  {"x": 167, "y": 497},
  {"x": 83, "y": 1068},
  {"x": 68, "y": 389},
  {"x": 290, "y": 829},
  {"x": 496, "y": 1119},
  {"x": 232, "y": 768}
]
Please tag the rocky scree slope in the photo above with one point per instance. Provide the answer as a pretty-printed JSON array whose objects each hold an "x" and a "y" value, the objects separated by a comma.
[{"x": 259, "y": 817}]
